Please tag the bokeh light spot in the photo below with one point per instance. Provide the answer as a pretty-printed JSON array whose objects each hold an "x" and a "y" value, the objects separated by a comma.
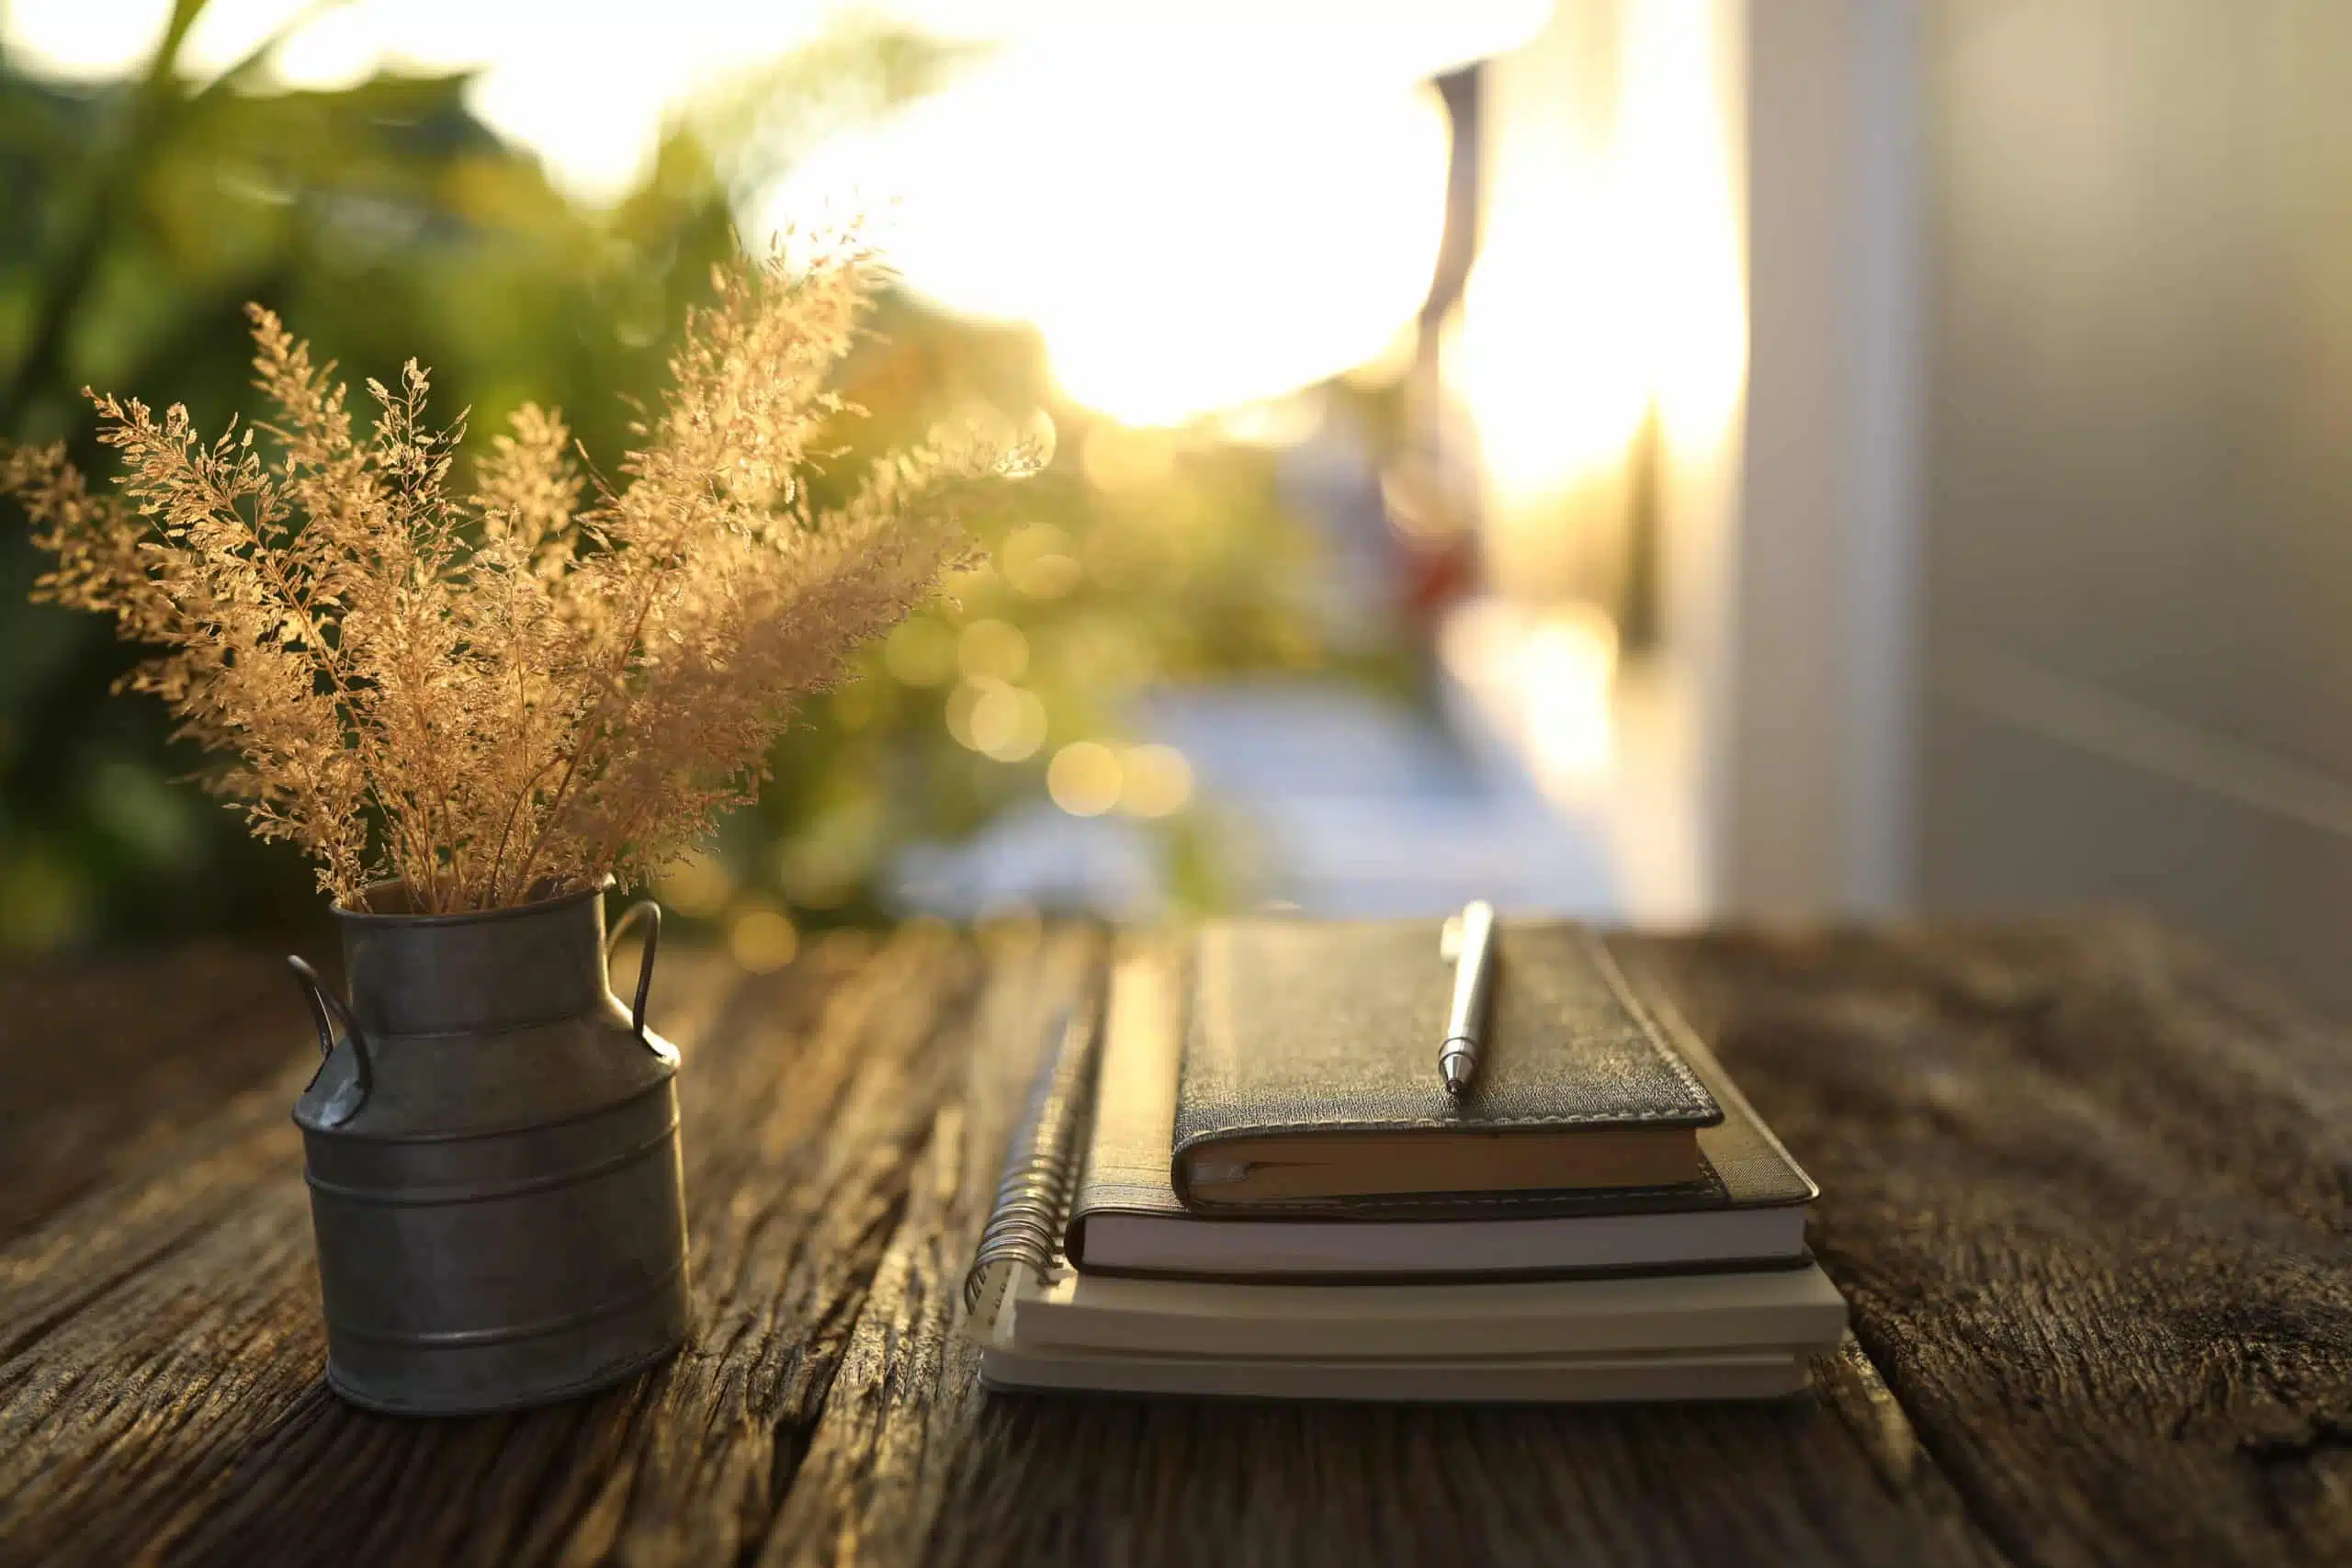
[
  {"x": 1008, "y": 723},
  {"x": 992, "y": 650},
  {"x": 1036, "y": 560},
  {"x": 1155, "y": 780},
  {"x": 763, "y": 941},
  {"x": 697, "y": 886},
  {"x": 1084, "y": 778}
]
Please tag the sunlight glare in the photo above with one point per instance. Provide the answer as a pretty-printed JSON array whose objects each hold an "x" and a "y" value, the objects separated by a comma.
[
  {"x": 1610, "y": 281},
  {"x": 1210, "y": 234},
  {"x": 1681, "y": 114}
]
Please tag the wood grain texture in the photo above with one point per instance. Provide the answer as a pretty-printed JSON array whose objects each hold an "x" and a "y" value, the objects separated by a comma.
[
  {"x": 2087, "y": 1194},
  {"x": 2090, "y": 1198},
  {"x": 101, "y": 1062}
]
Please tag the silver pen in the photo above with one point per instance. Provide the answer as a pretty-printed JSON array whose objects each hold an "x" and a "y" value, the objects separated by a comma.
[{"x": 1468, "y": 944}]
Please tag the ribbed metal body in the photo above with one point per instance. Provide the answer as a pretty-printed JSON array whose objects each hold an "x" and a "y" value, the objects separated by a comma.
[{"x": 492, "y": 1148}]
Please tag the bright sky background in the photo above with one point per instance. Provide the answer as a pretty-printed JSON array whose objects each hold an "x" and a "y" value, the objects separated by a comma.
[{"x": 1200, "y": 203}]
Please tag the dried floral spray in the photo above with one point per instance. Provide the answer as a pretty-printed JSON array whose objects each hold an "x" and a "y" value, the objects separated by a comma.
[{"x": 496, "y": 696}]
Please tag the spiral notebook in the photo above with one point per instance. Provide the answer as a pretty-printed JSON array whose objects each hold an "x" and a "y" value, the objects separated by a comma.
[{"x": 1024, "y": 1235}]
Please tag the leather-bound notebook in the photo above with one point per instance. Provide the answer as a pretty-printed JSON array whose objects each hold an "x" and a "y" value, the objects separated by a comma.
[
  {"x": 1746, "y": 1210},
  {"x": 1309, "y": 1077}
]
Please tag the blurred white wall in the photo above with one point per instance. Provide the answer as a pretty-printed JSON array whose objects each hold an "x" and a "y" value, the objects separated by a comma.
[
  {"x": 1823, "y": 659},
  {"x": 2139, "y": 465}
]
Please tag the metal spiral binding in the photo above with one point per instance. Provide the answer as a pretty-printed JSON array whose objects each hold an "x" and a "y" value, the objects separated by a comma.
[{"x": 1040, "y": 1179}]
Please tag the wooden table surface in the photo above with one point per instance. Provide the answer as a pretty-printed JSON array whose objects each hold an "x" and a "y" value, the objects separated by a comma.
[{"x": 2087, "y": 1193}]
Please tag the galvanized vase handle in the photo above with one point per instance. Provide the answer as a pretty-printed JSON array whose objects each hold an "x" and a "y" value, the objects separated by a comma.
[
  {"x": 348, "y": 1100},
  {"x": 647, "y": 910}
]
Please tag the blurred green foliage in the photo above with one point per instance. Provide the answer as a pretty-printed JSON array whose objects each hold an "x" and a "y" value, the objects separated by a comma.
[{"x": 385, "y": 223}]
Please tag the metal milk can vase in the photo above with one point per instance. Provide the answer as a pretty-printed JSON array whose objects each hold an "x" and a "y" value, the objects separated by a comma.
[{"x": 491, "y": 1148}]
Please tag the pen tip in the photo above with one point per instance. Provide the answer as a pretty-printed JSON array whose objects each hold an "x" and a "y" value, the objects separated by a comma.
[{"x": 1456, "y": 1071}]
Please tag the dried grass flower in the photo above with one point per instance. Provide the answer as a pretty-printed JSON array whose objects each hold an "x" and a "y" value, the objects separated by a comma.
[{"x": 549, "y": 680}]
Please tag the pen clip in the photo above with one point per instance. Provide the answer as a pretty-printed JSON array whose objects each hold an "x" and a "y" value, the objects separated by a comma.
[{"x": 1449, "y": 940}]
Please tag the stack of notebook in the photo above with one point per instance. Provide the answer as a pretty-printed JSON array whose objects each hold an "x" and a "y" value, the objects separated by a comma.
[{"x": 1241, "y": 1175}]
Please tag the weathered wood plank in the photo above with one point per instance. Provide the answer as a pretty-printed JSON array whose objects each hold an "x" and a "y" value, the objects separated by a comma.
[
  {"x": 803, "y": 1225},
  {"x": 103, "y": 1060},
  {"x": 1117, "y": 1481},
  {"x": 907, "y": 1389},
  {"x": 157, "y": 1335},
  {"x": 162, "y": 1400},
  {"x": 2090, "y": 1199}
]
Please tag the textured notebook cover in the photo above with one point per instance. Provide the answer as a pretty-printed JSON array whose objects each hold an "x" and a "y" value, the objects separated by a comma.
[{"x": 1299, "y": 1028}]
